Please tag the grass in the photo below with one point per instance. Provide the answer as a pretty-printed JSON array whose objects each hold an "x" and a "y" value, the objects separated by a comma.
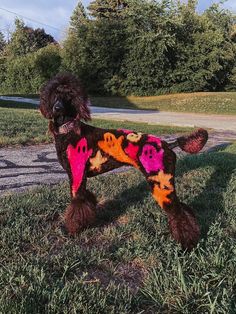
[
  {"x": 202, "y": 102},
  {"x": 128, "y": 263},
  {"x": 22, "y": 123},
  {"x": 207, "y": 103}
]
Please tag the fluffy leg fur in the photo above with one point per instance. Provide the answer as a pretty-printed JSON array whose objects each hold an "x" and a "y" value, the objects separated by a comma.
[
  {"x": 182, "y": 222},
  {"x": 184, "y": 227},
  {"x": 81, "y": 212}
]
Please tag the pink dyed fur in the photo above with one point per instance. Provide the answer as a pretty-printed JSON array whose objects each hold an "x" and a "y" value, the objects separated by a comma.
[
  {"x": 78, "y": 157},
  {"x": 151, "y": 159},
  {"x": 132, "y": 150}
]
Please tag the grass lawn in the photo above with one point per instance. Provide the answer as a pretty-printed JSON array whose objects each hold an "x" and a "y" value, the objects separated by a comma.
[
  {"x": 22, "y": 123},
  {"x": 202, "y": 102},
  {"x": 128, "y": 263},
  {"x": 208, "y": 103}
]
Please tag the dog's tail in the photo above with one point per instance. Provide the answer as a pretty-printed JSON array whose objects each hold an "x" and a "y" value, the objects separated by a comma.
[{"x": 193, "y": 143}]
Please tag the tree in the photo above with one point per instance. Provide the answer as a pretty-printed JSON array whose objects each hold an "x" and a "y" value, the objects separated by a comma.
[
  {"x": 27, "y": 73},
  {"x": 93, "y": 49},
  {"x": 2, "y": 42},
  {"x": 26, "y": 39},
  {"x": 146, "y": 47},
  {"x": 107, "y": 8}
]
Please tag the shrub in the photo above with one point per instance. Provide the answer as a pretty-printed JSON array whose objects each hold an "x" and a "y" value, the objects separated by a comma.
[{"x": 26, "y": 74}]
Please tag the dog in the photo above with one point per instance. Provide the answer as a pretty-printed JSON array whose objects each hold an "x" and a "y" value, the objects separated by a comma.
[{"x": 85, "y": 151}]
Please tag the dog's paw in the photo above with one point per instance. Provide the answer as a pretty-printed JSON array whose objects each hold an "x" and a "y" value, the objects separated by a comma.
[
  {"x": 184, "y": 228},
  {"x": 78, "y": 216}
]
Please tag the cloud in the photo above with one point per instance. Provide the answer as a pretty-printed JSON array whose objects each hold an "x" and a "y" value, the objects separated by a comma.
[{"x": 231, "y": 5}]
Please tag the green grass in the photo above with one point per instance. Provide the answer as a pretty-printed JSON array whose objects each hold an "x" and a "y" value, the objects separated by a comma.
[
  {"x": 128, "y": 263},
  {"x": 207, "y": 103},
  {"x": 22, "y": 123}
]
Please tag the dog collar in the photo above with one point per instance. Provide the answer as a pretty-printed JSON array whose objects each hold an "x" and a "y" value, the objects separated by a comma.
[{"x": 66, "y": 127}]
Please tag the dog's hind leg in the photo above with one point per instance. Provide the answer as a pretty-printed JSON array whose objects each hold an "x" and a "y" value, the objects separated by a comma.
[{"x": 182, "y": 222}]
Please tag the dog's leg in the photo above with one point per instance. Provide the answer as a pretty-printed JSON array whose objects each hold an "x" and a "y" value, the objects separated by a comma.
[
  {"x": 182, "y": 222},
  {"x": 80, "y": 213}
]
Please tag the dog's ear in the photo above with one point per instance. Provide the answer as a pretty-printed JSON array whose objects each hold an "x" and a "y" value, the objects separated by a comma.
[
  {"x": 44, "y": 101},
  {"x": 44, "y": 110},
  {"x": 83, "y": 105}
]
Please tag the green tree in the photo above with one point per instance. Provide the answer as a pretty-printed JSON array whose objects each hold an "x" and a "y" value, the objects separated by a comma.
[
  {"x": 107, "y": 8},
  {"x": 26, "y": 39},
  {"x": 26, "y": 74},
  {"x": 149, "y": 47},
  {"x": 94, "y": 49},
  {"x": 2, "y": 42}
]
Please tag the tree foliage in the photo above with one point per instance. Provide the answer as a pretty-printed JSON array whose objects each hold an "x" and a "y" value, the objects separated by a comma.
[
  {"x": 148, "y": 47},
  {"x": 2, "y": 43},
  {"x": 127, "y": 47},
  {"x": 26, "y": 74},
  {"x": 26, "y": 40}
]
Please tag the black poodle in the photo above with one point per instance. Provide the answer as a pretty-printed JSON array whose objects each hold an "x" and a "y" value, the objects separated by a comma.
[{"x": 86, "y": 151}]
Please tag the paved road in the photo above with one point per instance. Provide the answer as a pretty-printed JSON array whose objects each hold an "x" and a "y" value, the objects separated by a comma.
[
  {"x": 217, "y": 122},
  {"x": 30, "y": 166}
]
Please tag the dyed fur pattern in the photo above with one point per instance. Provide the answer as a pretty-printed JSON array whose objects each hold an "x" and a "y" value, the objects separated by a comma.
[{"x": 85, "y": 151}]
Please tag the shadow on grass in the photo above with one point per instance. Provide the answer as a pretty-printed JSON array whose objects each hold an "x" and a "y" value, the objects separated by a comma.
[
  {"x": 111, "y": 210},
  {"x": 208, "y": 204},
  {"x": 16, "y": 105},
  {"x": 119, "y": 102}
]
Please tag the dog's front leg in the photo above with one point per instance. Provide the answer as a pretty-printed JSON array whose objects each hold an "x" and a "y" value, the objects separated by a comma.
[{"x": 81, "y": 211}]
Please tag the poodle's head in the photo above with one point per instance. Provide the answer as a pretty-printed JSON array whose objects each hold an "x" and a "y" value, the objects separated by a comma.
[{"x": 63, "y": 99}]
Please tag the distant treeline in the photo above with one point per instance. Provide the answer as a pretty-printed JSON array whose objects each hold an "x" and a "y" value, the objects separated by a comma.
[{"x": 136, "y": 47}]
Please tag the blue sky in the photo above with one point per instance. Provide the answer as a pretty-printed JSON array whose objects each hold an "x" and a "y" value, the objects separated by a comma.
[{"x": 55, "y": 13}]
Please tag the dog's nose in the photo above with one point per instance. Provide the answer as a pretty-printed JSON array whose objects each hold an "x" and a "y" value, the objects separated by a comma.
[{"x": 58, "y": 107}]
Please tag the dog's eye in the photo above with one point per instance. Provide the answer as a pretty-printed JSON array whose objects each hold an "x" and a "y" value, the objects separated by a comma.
[{"x": 84, "y": 149}]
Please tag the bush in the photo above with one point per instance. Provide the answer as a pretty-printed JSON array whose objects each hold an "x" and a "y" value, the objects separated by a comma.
[
  {"x": 150, "y": 47},
  {"x": 27, "y": 73}
]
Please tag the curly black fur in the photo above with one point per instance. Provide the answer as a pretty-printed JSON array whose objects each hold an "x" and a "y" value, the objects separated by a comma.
[{"x": 85, "y": 151}]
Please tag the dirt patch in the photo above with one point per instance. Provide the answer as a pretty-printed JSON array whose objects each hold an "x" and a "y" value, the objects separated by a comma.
[{"x": 131, "y": 274}]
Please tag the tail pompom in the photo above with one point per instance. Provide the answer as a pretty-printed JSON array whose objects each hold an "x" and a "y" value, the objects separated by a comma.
[{"x": 193, "y": 143}]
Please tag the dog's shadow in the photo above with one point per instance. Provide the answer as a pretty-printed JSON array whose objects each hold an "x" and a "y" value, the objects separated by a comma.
[
  {"x": 207, "y": 205},
  {"x": 210, "y": 202}
]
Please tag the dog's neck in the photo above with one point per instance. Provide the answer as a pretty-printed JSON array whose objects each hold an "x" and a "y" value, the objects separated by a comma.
[
  {"x": 73, "y": 125},
  {"x": 66, "y": 127}
]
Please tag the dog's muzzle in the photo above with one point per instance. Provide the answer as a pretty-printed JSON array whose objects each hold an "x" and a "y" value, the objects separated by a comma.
[{"x": 58, "y": 108}]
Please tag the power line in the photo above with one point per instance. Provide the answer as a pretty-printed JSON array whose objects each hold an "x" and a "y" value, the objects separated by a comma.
[{"x": 28, "y": 18}]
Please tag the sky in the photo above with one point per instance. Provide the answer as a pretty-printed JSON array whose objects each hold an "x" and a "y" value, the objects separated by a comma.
[{"x": 55, "y": 14}]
